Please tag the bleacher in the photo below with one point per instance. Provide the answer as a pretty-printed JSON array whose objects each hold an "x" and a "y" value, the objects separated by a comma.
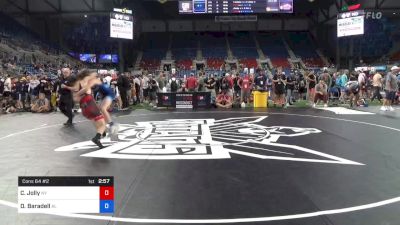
[
  {"x": 242, "y": 45},
  {"x": 272, "y": 46},
  {"x": 89, "y": 36},
  {"x": 303, "y": 47},
  {"x": 213, "y": 45},
  {"x": 155, "y": 47},
  {"x": 184, "y": 47},
  {"x": 376, "y": 41}
]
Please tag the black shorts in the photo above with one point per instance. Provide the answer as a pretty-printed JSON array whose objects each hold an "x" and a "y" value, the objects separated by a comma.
[
  {"x": 390, "y": 95},
  {"x": 146, "y": 93},
  {"x": 6, "y": 94}
]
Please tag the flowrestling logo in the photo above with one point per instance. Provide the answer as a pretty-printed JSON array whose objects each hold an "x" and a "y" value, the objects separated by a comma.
[{"x": 191, "y": 139}]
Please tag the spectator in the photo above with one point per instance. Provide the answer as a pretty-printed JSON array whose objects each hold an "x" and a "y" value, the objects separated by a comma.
[
  {"x": 279, "y": 81},
  {"x": 377, "y": 86},
  {"x": 342, "y": 83},
  {"x": 260, "y": 81},
  {"x": 210, "y": 85},
  {"x": 8, "y": 105},
  {"x": 289, "y": 90},
  {"x": 145, "y": 87},
  {"x": 34, "y": 88},
  {"x": 236, "y": 87},
  {"x": 7, "y": 86},
  {"x": 390, "y": 86},
  {"x": 191, "y": 83},
  {"x": 137, "y": 82},
  {"x": 301, "y": 86},
  {"x": 153, "y": 89},
  {"x": 321, "y": 93},
  {"x": 1, "y": 86},
  {"x": 162, "y": 82},
  {"x": 311, "y": 80},
  {"x": 174, "y": 84},
  {"x": 41, "y": 105},
  {"x": 201, "y": 82},
  {"x": 362, "y": 81},
  {"x": 123, "y": 87},
  {"x": 224, "y": 100},
  {"x": 17, "y": 93},
  {"x": 245, "y": 85}
]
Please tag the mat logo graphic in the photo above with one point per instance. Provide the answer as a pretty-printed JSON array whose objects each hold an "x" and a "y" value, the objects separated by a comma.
[{"x": 177, "y": 139}]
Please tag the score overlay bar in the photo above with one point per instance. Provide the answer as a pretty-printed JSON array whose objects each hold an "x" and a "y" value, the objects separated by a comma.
[{"x": 65, "y": 194}]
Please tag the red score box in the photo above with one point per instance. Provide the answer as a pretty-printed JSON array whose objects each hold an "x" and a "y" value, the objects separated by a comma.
[{"x": 107, "y": 193}]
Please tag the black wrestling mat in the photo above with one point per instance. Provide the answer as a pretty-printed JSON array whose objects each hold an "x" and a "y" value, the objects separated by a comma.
[{"x": 281, "y": 167}]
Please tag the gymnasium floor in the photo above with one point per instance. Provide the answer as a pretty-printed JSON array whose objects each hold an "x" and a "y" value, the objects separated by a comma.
[{"x": 277, "y": 167}]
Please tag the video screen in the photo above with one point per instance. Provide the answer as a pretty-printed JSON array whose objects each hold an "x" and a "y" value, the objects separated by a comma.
[
  {"x": 350, "y": 23},
  {"x": 185, "y": 7},
  {"x": 114, "y": 58},
  {"x": 104, "y": 58},
  {"x": 121, "y": 26},
  {"x": 89, "y": 58}
]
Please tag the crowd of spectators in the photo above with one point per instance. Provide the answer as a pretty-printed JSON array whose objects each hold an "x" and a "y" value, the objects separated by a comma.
[{"x": 39, "y": 93}]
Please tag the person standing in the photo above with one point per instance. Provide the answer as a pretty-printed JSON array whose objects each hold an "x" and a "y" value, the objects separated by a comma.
[
  {"x": 289, "y": 90},
  {"x": 312, "y": 81},
  {"x": 123, "y": 87},
  {"x": 390, "y": 88},
  {"x": 245, "y": 84},
  {"x": 66, "y": 102},
  {"x": 377, "y": 86},
  {"x": 343, "y": 81},
  {"x": 279, "y": 81},
  {"x": 191, "y": 83},
  {"x": 201, "y": 82},
  {"x": 7, "y": 86},
  {"x": 210, "y": 85}
]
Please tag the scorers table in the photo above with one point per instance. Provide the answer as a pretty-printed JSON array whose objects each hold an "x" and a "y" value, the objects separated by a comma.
[
  {"x": 66, "y": 194},
  {"x": 184, "y": 100}
]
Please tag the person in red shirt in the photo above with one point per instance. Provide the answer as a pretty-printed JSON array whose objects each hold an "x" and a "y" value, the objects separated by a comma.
[
  {"x": 224, "y": 100},
  {"x": 245, "y": 84},
  {"x": 191, "y": 83}
]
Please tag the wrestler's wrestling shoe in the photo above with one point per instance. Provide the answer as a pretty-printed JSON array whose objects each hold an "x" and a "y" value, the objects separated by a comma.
[
  {"x": 96, "y": 140},
  {"x": 113, "y": 129}
]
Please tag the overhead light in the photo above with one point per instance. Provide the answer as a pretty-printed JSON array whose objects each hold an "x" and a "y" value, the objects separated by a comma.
[
  {"x": 394, "y": 13},
  {"x": 85, "y": 16}
]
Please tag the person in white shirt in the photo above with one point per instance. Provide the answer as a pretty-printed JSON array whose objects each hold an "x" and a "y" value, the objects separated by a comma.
[
  {"x": 7, "y": 86},
  {"x": 145, "y": 87},
  {"x": 362, "y": 81}
]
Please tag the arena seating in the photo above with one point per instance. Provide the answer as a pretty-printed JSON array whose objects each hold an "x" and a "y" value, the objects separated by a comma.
[
  {"x": 215, "y": 63},
  {"x": 184, "y": 47},
  {"x": 272, "y": 46},
  {"x": 89, "y": 38},
  {"x": 376, "y": 41},
  {"x": 155, "y": 47},
  {"x": 242, "y": 45},
  {"x": 184, "y": 64},
  {"x": 249, "y": 63},
  {"x": 303, "y": 47},
  {"x": 213, "y": 45},
  {"x": 395, "y": 57}
]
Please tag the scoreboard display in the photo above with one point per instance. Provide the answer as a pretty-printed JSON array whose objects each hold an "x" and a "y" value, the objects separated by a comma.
[
  {"x": 121, "y": 24},
  {"x": 235, "y": 6},
  {"x": 350, "y": 23},
  {"x": 66, "y": 194}
]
